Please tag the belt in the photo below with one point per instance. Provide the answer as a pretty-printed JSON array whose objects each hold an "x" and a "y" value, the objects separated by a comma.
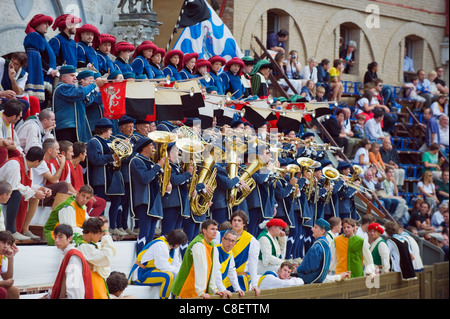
[
  {"x": 140, "y": 265},
  {"x": 244, "y": 273}
]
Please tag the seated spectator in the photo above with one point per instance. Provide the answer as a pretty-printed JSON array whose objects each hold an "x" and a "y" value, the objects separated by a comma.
[
  {"x": 334, "y": 126},
  {"x": 440, "y": 106},
  {"x": 444, "y": 132},
  {"x": 411, "y": 92},
  {"x": 386, "y": 90},
  {"x": 442, "y": 186},
  {"x": 309, "y": 91},
  {"x": 440, "y": 83},
  {"x": 362, "y": 154},
  {"x": 437, "y": 240},
  {"x": 5, "y": 195},
  {"x": 280, "y": 279},
  {"x": 8, "y": 250},
  {"x": 320, "y": 94},
  {"x": 431, "y": 161},
  {"x": 358, "y": 129},
  {"x": 277, "y": 41},
  {"x": 309, "y": 72},
  {"x": 370, "y": 182},
  {"x": 432, "y": 75},
  {"x": 391, "y": 160},
  {"x": 372, "y": 128},
  {"x": 71, "y": 212},
  {"x": 348, "y": 56},
  {"x": 427, "y": 188},
  {"x": 390, "y": 190},
  {"x": 279, "y": 61},
  {"x": 323, "y": 77},
  {"x": 424, "y": 88},
  {"x": 444, "y": 225},
  {"x": 9, "y": 142},
  {"x": 432, "y": 130},
  {"x": 96, "y": 205},
  {"x": 272, "y": 242},
  {"x": 390, "y": 117},
  {"x": 438, "y": 216},
  {"x": 16, "y": 171},
  {"x": 36, "y": 130},
  {"x": 335, "y": 80}
]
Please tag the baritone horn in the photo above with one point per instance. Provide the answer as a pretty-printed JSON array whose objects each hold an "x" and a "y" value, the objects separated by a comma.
[{"x": 162, "y": 140}]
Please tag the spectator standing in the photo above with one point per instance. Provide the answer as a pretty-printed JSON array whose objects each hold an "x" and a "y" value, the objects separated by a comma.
[
  {"x": 348, "y": 56},
  {"x": 63, "y": 46}
]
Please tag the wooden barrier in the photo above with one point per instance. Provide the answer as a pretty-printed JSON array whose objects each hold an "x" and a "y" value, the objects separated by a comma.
[{"x": 432, "y": 283}]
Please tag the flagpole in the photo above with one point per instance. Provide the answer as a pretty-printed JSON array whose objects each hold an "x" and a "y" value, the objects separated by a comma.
[{"x": 176, "y": 25}]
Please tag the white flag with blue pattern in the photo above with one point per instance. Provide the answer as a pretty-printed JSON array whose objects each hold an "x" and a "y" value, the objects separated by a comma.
[{"x": 209, "y": 38}]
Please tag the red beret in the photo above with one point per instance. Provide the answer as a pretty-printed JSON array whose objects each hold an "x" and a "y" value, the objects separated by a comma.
[
  {"x": 217, "y": 58},
  {"x": 37, "y": 20},
  {"x": 377, "y": 227},
  {"x": 189, "y": 56},
  {"x": 86, "y": 28},
  {"x": 65, "y": 20},
  {"x": 170, "y": 54},
  {"x": 276, "y": 222},
  {"x": 160, "y": 51},
  {"x": 124, "y": 46},
  {"x": 146, "y": 45},
  {"x": 106, "y": 38},
  {"x": 202, "y": 62},
  {"x": 235, "y": 60}
]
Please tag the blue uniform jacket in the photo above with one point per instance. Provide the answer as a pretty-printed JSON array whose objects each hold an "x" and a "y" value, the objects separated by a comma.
[
  {"x": 186, "y": 74},
  {"x": 284, "y": 198},
  {"x": 224, "y": 184},
  {"x": 144, "y": 185},
  {"x": 179, "y": 196},
  {"x": 172, "y": 71},
  {"x": 263, "y": 196},
  {"x": 122, "y": 65},
  {"x": 140, "y": 66},
  {"x": 65, "y": 50},
  {"x": 157, "y": 72},
  {"x": 105, "y": 64},
  {"x": 314, "y": 267},
  {"x": 232, "y": 83},
  {"x": 86, "y": 54},
  {"x": 217, "y": 81}
]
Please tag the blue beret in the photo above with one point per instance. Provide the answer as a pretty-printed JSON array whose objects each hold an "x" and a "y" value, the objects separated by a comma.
[
  {"x": 209, "y": 89},
  {"x": 129, "y": 75},
  {"x": 323, "y": 224},
  {"x": 141, "y": 77},
  {"x": 142, "y": 121},
  {"x": 343, "y": 165},
  {"x": 97, "y": 75},
  {"x": 114, "y": 74},
  {"x": 67, "y": 69},
  {"x": 104, "y": 123},
  {"x": 325, "y": 162},
  {"x": 307, "y": 134},
  {"x": 235, "y": 123},
  {"x": 126, "y": 119},
  {"x": 141, "y": 143},
  {"x": 84, "y": 74},
  {"x": 191, "y": 121}
]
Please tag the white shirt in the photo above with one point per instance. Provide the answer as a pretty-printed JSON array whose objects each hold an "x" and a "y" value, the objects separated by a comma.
[
  {"x": 159, "y": 252},
  {"x": 383, "y": 250},
  {"x": 74, "y": 276},
  {"x": 444, "y": 135},
  {"x": 37, "y": 174},
  {"x": 395, "y": 256},
  {"x": 100, "y": 258},
  {"x": 10, "y": 172},
  {"x": 359, "y": 152},
  {"x": 6, "y": 132},
  {"x": 373, "y": 129},
  {"x": 307, "y": 74},
  {"x": 270, "y": 262},
  {"x": 31, "y": 133},
  {"x": 272, "y": 282}
]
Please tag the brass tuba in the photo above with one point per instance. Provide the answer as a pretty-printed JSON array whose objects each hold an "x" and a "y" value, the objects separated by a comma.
[
  {"x": 122, "y": 148},
  {"x": 162, "y": 139},
  {"x": 207, "y": 175}
]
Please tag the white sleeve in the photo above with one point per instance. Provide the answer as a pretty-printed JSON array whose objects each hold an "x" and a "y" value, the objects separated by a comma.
[
  {"x": 333, "y": 256},
  {"x": 74, "y": 278},
  {"x": 10, "y": 172},
  {"x": 367, "y": 258},
  {"x": 252, "y": 263},
  {"x": 383, "y": 250},
  {"x": 272, "y": 282},
  {"x": 161, "y": 255},
  {"x": 100, "y": 258}
]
